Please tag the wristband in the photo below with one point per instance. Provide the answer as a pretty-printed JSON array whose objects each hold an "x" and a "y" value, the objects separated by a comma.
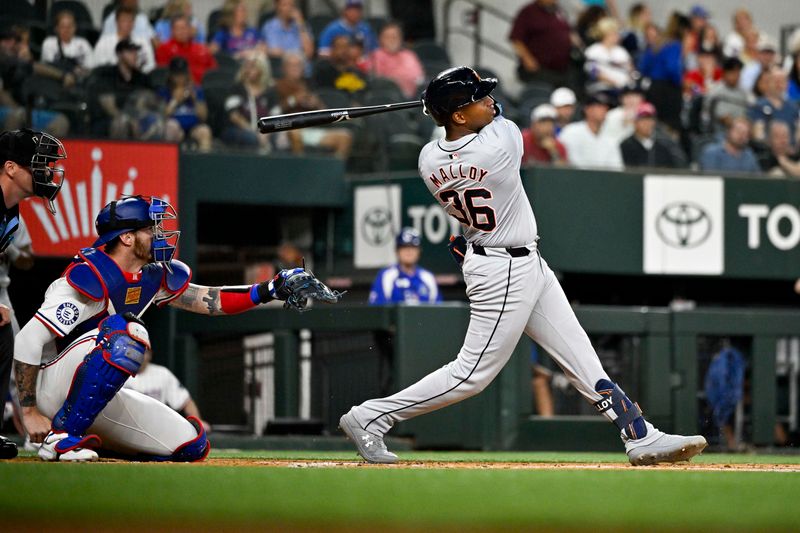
[{"x": 237, "y": 299}]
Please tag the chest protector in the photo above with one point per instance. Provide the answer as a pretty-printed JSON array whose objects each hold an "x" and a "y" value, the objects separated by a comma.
[{"x": 98, "y": 277}]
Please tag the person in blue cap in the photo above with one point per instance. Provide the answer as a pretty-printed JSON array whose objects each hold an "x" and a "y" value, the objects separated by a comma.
[{"x": 405, "y": 282}]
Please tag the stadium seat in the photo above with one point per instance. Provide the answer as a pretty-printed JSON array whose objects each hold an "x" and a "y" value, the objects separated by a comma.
[
  {"x": 21, "y": 10},
  {"x": 158, "y": 77},
  {"x": 431, "y": 51},
  {"x": 536, "y": 90},
  {"x": 376, "y": 23},
  {"x": 212, "y": 23},
  {"x": 83, "y": 18},
  {"x": 318, "y": 23},
  {"x": 226, "y": 61},
  {"x": 403, "y": 150},
  {"x": 333, "y": 98},
  {"x": 526, "y": 107}
]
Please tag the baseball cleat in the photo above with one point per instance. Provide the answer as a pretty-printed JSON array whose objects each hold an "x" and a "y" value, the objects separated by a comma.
[
  {"x": 54, "y": 448},
  {"x": 370, "y": 446},
  {"x": 664, "y": 448},
  {"x": 8, "y": 450}
]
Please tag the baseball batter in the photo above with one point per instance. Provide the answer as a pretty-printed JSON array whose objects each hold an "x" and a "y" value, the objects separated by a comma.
[
  {"x": 92, "y": 313},
  {"x": 474, "y": 174}
]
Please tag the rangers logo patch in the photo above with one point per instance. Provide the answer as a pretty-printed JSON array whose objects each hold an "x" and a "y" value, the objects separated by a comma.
[
  {"x": 132, "y": 295},
  {"x": 67, "y": 313}
]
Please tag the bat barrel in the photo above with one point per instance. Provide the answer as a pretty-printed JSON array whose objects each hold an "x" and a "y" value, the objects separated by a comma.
[{"x": 321, "y": 117}]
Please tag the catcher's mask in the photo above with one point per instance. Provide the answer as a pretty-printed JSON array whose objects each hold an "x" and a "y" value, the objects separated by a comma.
[
  {"x": 136, "y": 212},
  {"x": 452, "y": 89},
  {"x": 39, "y": 152}
]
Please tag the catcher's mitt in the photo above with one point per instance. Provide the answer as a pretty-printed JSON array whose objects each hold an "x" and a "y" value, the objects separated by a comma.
[{"x": 296, "y": 286}]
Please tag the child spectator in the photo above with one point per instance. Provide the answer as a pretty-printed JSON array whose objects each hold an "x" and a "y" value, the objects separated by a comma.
[{"x": 697, "y": 82}]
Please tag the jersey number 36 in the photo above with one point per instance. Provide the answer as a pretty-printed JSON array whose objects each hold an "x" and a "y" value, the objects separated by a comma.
[{"x": 478, "y": 216}]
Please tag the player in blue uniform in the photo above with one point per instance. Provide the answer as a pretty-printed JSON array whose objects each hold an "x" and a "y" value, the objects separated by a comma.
[
  {"x": 93, "y": 313},
  {"x": 405, "y": 282}
]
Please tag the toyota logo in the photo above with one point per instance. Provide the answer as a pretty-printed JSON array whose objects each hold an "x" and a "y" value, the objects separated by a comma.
[
  {"x": 377, "y": 227},
  {"x": 683, "y": 225}
]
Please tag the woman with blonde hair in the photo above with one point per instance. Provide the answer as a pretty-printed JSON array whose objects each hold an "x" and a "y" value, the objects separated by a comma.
[
  {"x": 251, "y": 99},
  {"x": 608, "y": 65}
]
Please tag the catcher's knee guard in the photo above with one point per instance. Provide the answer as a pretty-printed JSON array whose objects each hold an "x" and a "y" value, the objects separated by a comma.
[
  {"x": 119, "y": 353},
  {"x": 617, "y": 407},
  {"x": 196, "y": 449}
]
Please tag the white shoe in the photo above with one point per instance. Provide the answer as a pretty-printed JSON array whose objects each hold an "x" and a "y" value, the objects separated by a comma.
[
  {"x": 660, "y": 447},
  {"x": 29, "y": 446},
  {"x": 48, "y": 451}
]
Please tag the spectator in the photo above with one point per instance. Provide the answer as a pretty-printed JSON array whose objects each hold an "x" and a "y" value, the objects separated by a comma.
[
  {"x": 697, "y": 82},
  {"x": 541, "y": 37},
  {"x": 698, "y": 23},
  {"x": 731, "y": 154},
  {"x": 709, "y": 40},
  {"x": 406, "y": 282},
  {"x": 539, "y": 142},
  {"x": 338, "y": 70},
  {"x": 196, "y": 54},
  {"x": 639, "y": 17},
  {"x": 114, "y": 86},
  {"x": 586, "y": 146},
  {"x": 782, "y": 160},
  {"x": 662, "y": 64},
  {"x": 249, "y": 100},
  {"x": 160, "y": 383},
  {"x": 618, "y": 124},
  {"x": 163, "y": 26},
  {"x": 586, "y": 25},
  {"x": 773, "y": 106},
  {"x": 725, "y": 101},
  {"x": 608, "y": 65},
  {"x": 287, "y": 31},
  {"x": 351, "y": 25},
  {"x": 392, "y": 60},
  {"x": 186, "y": 109},
  {"x": 765, "y": 60},
  {"x": 142, "y": 29},
  {"x": 734, "y": 45},
  {"x": 644, "y": 148},
  {"x": 105, "y": 49},
  {"x": 793, "y": 90},
  {"x": 563, "y": 100},
  {"x": 235, "y": 37},
  {"x": 65, "y": 50},
  {"x": 17, "y": 65},
  {"x": 295, "y": 96}
]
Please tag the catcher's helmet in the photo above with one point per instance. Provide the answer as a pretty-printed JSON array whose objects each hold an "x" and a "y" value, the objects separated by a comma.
[
  {"x": 137, "y": 212},
  {"x": 452, "y": 89},
  {"x": 38, "y": 151},
  {"x": 408, "y": 237}
]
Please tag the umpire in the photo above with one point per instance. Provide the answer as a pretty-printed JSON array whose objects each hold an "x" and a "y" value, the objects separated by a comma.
[{"x": 28, "y": 169}]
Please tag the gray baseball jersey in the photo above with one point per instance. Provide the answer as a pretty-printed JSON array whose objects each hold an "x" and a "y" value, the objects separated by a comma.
[{"x": 476, "y": 179}]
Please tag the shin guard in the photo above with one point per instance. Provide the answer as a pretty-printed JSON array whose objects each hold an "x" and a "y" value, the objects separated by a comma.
[{"x": 618, "y": 408}]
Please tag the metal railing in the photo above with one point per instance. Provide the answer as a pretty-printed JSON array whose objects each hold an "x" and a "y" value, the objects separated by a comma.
[{"x": 473, "y": 20}]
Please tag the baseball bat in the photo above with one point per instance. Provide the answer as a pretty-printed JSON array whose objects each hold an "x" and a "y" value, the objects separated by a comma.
[{"x": 305, "y": 119}]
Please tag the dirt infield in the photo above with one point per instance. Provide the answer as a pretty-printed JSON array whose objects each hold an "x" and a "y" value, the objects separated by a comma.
[
  {"x": 490, "y": 465},
  {"x": 474, "y": 465}
]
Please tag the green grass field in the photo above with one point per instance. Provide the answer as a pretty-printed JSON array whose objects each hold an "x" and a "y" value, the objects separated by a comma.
[{"x": 428, "y": 496}]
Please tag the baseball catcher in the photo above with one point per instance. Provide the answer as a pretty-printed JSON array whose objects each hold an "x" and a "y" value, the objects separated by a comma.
[{"x": 75, "y": 403}]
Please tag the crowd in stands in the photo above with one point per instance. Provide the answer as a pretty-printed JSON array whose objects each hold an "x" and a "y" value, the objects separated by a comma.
[
  {"x": 677, "y": 96},
  {"x": 599, "y": 91}
]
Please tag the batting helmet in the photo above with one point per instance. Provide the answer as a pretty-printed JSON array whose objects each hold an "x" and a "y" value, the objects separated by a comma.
[
  {"x": 136, "y": 212},
  {"x": 452, "y": 89},
  {"x": 38, "y": 151},
  {"x": 408, "y": 237}
]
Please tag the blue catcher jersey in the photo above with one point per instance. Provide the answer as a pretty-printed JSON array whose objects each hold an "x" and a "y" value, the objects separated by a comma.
[{"x": 392, "y": 285}]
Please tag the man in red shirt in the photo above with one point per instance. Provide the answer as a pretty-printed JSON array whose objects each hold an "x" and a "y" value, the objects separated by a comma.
[
  {"x": 182, "y": 44},
  {"x": 539, "y": 142},
  {"x": 541, "y": 39}
]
